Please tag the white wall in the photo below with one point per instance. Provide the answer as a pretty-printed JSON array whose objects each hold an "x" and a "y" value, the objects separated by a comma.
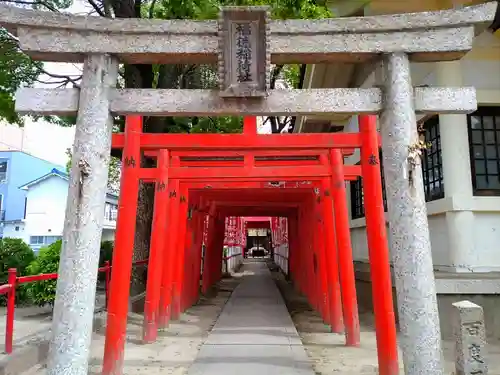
[
  {"x": 9, "y": 230},
  {"x": 281, "y": 257},
  {"x": 46, "y": 207},
  {"x": 464, "y": 230},
  {"x": 235, "y": 255}
]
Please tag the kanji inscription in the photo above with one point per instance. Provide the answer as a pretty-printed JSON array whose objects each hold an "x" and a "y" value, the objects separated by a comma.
[
  {"x": 471, "y": 339},
  {"x": 243, "y": 32},
  {"x": 244, "y": 57}
]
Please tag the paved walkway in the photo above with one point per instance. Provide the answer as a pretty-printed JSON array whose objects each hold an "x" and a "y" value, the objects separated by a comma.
[{"x": 254, "y": 333}]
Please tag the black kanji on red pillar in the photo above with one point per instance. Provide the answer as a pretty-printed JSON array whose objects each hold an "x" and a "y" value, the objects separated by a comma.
[
  {"x": 372, "y": 159},
  {"x": 161, "y": 186},
  {"x": 130, "y": 162}
]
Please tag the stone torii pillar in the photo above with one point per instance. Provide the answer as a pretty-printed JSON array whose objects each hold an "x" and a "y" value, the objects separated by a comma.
[
  {"x": 75, "y": 295},
  {"x": 409, "y": 240}
]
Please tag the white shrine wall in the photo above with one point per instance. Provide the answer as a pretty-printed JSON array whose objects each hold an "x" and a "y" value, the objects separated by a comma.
[{"x": 464, "y": 229}]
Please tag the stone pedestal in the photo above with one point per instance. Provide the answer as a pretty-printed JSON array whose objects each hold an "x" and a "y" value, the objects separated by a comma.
[{"x": 470, "y": 338}]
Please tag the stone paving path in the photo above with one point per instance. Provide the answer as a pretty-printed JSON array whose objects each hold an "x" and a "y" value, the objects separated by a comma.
[{"x": 254, "y": 333}]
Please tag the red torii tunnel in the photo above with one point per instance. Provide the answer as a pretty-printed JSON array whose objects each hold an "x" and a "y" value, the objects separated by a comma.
[{"x": 204, "y": 183}]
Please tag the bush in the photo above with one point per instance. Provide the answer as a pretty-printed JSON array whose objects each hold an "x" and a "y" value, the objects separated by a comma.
[
  {"x": 15, "y": 253},
  {"x": 44, "y": 292}
]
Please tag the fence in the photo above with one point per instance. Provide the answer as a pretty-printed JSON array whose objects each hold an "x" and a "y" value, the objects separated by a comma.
[{"x": 13, "y": 281}]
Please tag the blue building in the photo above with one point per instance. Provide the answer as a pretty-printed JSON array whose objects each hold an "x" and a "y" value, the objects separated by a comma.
[{"x": 16, "y": 169}]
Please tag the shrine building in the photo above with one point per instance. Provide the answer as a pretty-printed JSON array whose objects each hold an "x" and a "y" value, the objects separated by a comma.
[{"x": 460, "y": 168}]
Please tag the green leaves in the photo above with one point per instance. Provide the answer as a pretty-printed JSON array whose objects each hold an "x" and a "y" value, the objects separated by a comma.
[
  {"x": 43, "y": 292},
  {"x": 16, "y": 70}
]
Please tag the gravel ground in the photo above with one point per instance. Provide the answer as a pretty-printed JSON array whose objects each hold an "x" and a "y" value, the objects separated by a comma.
[{"x": 328, "y": 353}]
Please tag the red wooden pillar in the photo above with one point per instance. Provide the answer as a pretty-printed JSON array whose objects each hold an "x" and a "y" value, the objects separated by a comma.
[
  {"x": 323, "y": 265},
  {"x": 385, "y": 322},
  {"x": 250, "y": 125},
  {"x": 311, "y": 280},
  {"x": 180, "y": 251},
  {"x": 168, "y": 278},
  {"x": 207, "y": 258},
  {"x": 155, "y": 263},
  {"x": 216, "y": 270},
  {"x": 124, "y": 243},
  {"x": 292, "y": 249},
  {"x": 214, "y": 253},
  {"x": 336, "y": 322},
  {"x": 200, "y": 228},
  {"x": 316, "y": 285},
  {"x": 189, "y": 259},
  {"x": 175, "y": 237},
  {"x": 346, "y": 266},
  {"x": 300, "y": 252},
  {"x": 220, "y": 249}
]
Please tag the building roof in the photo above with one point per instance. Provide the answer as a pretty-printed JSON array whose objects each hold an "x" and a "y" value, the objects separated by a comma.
[{"x": 54, "y": 173}]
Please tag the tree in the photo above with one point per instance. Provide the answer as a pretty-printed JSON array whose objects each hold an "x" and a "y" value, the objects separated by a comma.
[
  {"x": 16, "y": 69},
  {"x": 182, "y": 77}
]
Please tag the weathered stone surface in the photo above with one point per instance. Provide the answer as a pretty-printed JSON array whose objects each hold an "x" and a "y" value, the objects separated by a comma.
[
  {"x": 470, "y": 339},
  {"x": 244, "y": 55},
  {"x": 11, "y": 17},
  {"x": 429, "y": 36},
  {"x": 278, "y": 102},
  {"x": 76, "y": 285},
  {"x": 409, "y": 230},
  {"x": 69, "y": 46}
]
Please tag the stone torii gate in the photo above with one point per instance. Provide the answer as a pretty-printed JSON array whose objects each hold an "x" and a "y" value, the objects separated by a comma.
[{"x": 101, "y": 44}]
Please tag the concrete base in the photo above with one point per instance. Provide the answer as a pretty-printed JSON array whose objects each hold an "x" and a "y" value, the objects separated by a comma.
[{"x": 482, "y": 289}]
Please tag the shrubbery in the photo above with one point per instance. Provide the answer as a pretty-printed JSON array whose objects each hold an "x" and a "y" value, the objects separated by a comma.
[
  {"x": 15, "y": 253},
  {"x": 44, "y": 292}
]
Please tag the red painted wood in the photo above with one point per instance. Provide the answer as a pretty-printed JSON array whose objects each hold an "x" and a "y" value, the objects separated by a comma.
[
  {"x": 168, "y": 279},
  {"x": 378, "y": 251},
  {"x": 155, "y": 265},
  {"x": 124, "y": 241},
  {"x": 235, "y": 175},
  {"x": 235, "y": 142},
  {"x": 180, "y": 250},
  {"x": 346, "y": 266},
  {"x": 331, "y": 256},
  {"x": 267, "y": 174}
]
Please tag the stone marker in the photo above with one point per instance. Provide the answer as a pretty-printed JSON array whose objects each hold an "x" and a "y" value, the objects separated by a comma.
[{"x": 470, "y": 350}]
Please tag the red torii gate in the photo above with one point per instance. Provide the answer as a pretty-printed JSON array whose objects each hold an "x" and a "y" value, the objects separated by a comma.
[{"x": 173, "y": 171}]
